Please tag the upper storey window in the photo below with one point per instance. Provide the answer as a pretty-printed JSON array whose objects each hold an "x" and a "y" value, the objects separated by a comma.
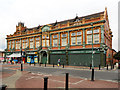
[
  {"x": 55, "y": 36},
  {"x": 96, "y": 31},
  {"x": 18, "y": 44},
  {"x": 37, "y": 38},
  {"x": 64, "y": 35},
  {"x": 89, "y": 32},
  {"x": 73, "y": 34},
  {"x": 78, "y": 33},
  {"x": 31, "y": 39},
  {"x": 44, "y": 37},
  {"x": 47, "y": 36}
]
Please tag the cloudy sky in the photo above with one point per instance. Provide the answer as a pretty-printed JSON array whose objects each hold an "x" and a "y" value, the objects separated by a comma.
[{"x": 40, "y": 12}]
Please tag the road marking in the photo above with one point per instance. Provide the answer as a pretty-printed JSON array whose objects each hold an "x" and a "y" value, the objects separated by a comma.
[
  {"x": 57, "y": 81},
  {"x": 109, "y": 80},
  {"x": 69, "y": 82},
  {"x": 77, "y": 82}
]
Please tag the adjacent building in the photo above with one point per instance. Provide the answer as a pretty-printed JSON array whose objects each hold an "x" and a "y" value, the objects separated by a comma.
[{"x": 68, "y": 40}]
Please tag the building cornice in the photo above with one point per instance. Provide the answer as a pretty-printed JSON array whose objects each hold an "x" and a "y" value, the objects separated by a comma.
[{"x": 102, "y": 21}]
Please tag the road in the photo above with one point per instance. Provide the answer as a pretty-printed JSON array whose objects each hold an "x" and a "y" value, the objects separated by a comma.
[{"x": 99, "y": 75}]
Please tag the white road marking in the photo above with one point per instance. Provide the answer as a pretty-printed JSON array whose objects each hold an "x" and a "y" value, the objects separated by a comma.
[{"x": 77, "y": 82}]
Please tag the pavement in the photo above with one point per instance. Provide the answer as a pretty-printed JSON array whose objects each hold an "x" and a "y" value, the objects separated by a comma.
[{"x": 25, "y": 79}]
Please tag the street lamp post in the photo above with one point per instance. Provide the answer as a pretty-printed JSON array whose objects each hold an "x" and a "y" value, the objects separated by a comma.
[
  {"x": 92, "y": 47},
  {"x": 21, "y": 61},
  {"x": 92, "y": 76}
]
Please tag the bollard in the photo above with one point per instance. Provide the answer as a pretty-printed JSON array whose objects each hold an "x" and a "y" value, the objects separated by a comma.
[
  {"x": 21, "y": 67},
  {"x": 39, "y": 64},
  {"x": 111, "y": 66},
  {"x": 90, "y": 66},
  {"x": 4, "y": 87},
  {"x": 107, "y": 66},
  {"x": 45, "y": 83},
  {"x": 34, "y": 63},
  {"x": 45, "y": 64},
  {"x": 92, "y": 77},
  {"x": 66, "y": 85},
  {"x": 99, "y": 67},
  {"x": 53, "y": 64},
  {"x": 63, "y": 65},
  {"x": 30, "y": 63}
]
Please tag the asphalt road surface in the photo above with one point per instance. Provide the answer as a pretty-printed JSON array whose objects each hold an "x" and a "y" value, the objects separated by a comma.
[{"x": 99, "y": 75}]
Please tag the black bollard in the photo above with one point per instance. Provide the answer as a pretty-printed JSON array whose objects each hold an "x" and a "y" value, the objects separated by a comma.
[
  {"x": 90, "y": 66},
  {"x": 45, "y": 83},
  {"x": 92, "y": 77},
  {"x": 99, "y": 67},
  {"x": 39, "y": 64},
  {"x": 34, "y": 63},
  {"x": 45, "y": 64},
  {"x": 63, "y": 65},
  {"x": 4, "y": 87},
  {"x": 66, "y": 85},
  {"x": 21, "y": 67},
  {"x": 53, "y": 64},
  {"x": 111, "y": 66},
  {"x": 107, "y": 66},
  {"x": 30, "y": 63}
]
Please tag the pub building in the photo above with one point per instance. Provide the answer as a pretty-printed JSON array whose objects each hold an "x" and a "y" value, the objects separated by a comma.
[{"x": 69, "y": 40}]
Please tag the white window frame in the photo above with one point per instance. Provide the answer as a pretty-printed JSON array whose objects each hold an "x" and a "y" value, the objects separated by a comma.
[
  {"x": 37, "y": 44},
  {"x": 55, "y": 36},
  {"x": 89, "y": 39},
  {"x": 64, "y": 35},
  {"x": 73, "y": 40},
  {"x": 79, "y": 40},
  {"x": 89, "y": 32},
  {"x": 96, "y": 30},
  {"x": 47, "y": 43},
  {"x": 55, "y": 42},
  {"x": 64, "y": 41},
  {"x": 79, "y": 33},
  {"x": 43, "y": 43},
  {"x": 96, "y": 38},
  {"x": 73, "y": 34},
  {"x": 31, "y": 44}
]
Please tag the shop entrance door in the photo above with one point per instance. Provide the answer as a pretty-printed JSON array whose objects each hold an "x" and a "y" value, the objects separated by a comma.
[{"x": 44, "y": 57}]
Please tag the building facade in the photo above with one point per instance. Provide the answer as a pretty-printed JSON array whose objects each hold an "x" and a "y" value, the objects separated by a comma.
[{"x": 68, "y": 40}]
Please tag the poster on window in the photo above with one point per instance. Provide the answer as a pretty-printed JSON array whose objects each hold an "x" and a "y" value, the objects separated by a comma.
[
  {"x": 36, "y": 59},
  {"x": 28, "y": 59}
]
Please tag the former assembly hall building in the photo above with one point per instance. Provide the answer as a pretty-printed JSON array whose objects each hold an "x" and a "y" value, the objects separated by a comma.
[{"x": 68, "y": 40}]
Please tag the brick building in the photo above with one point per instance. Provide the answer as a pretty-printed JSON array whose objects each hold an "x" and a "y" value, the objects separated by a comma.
[{"x": 68, "y": 40}]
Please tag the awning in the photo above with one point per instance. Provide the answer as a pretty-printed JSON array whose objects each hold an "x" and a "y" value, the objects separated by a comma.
[
  {"x": 14, "y": 55},
  {"x": 1, "y": 58}
]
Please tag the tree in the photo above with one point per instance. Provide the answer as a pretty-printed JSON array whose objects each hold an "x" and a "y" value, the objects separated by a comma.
[{"x": 117, "y": 56}]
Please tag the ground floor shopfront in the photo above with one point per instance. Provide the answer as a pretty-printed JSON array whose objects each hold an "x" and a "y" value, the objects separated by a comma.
[
  {"x": 75, "y": 57},
  {"x": 78, "y": 57}
]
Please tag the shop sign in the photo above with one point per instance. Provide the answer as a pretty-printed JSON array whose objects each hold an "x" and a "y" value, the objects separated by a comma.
[
  {"x": 81, "y": 52},
  {"x": 31, "y": 53},
  {"x": 58, "y": 52}
]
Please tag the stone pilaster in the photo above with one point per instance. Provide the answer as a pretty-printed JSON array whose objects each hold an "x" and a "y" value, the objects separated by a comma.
[
  {"x": 20, "y": 43},
  {"x": 28, "y": 42},
  {"x": 34, "y": 43},
  {"x": 83, "y": 38},
  {"x": 68, "y": 39},
  {"x": 59, "y": 41},
  {"x": 50, "y": 41},
  {"x": 102, "y": 34}
]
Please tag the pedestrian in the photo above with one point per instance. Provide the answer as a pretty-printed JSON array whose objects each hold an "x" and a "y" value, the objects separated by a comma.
[{"x": 58, "y": 62}]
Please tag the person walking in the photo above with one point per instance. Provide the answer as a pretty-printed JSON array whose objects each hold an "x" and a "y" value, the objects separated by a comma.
[{"x": 58, "y": 62}]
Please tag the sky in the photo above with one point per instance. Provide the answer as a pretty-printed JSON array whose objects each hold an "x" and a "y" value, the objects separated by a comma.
[{"x": 40, "y": 12}]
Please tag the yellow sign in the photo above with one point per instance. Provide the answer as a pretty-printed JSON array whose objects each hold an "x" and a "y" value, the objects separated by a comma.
[{"x": 28, "y": 59}]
